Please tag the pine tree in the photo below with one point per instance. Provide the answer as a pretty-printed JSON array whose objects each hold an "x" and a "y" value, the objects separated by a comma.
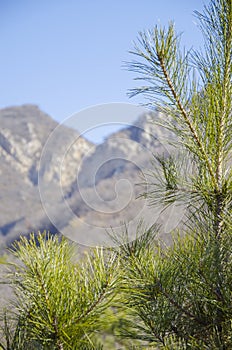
[
  {"x": 179, "y": 297},
  {"x": 61, "y": 301}
]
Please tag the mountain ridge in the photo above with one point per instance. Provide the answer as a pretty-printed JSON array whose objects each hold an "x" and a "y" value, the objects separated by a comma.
[{"x": 86, "y": 169}]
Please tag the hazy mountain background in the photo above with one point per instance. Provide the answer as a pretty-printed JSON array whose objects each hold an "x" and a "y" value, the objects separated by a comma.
[{"x": 97, "y": 183}]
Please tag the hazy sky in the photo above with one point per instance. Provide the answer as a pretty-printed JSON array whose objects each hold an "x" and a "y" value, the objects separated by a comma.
[{"x": 67, "y": 55}]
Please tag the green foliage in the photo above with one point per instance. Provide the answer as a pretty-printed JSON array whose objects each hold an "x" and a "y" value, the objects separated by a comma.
[
  {"x": 194, "y": 90},
  {"x": 61, "y": 303},
  {"x": 179, "y": 297},
  {"x": 174, "y": 293}
]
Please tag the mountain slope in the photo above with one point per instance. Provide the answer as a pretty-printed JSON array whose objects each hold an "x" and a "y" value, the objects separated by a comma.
[
  {"x": 24, "y": 132},
  {"x": 85, "y": 189}
]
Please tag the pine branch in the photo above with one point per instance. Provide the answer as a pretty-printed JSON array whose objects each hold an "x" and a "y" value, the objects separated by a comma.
[{"x": 186, "y": 117}]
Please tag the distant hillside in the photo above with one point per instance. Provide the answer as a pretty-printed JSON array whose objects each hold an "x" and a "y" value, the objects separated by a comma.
[
  {"x": 24, "y": 132},
  {"x": 99, "y": 183}
]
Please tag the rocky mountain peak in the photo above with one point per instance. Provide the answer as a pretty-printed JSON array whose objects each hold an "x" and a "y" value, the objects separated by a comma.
[{"x": 70, "y": 166}]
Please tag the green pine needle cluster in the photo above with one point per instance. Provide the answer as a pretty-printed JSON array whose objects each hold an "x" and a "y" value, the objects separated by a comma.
[{"x": 61, "y": 302}]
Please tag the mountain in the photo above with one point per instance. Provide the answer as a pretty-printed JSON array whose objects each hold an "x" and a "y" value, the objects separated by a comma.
[
  {"x": 24, "y": 132},
  {"x": 52, "y": 178}
]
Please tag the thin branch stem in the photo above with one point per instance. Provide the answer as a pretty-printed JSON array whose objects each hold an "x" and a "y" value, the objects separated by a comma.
[{"x": 186, "y": 118}]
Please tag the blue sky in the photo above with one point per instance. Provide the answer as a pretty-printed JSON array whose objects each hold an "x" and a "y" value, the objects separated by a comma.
[{"x": 67, "y": 55}]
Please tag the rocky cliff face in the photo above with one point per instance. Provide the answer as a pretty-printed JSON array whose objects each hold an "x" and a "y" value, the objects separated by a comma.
[
  {"x": 24, "y": 132},
  {"x": 85, "y": 188}
]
